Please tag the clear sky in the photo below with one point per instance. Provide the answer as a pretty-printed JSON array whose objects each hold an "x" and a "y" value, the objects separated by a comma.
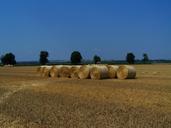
[{"x": 108, "y": 28}]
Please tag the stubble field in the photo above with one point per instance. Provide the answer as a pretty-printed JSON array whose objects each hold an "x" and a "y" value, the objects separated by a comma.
[{"x": 30, "y": 101}]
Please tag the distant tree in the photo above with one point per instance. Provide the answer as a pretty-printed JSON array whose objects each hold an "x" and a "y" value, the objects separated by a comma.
[
  {"x": 76, "y": 57},
  {"x": 43, "y": 57},
  {"x": 97, "y": 59},
  {"x": 145, "y": 58},
  {"x": 130, "y": 58},
  {"x": 8, "y": 59}
]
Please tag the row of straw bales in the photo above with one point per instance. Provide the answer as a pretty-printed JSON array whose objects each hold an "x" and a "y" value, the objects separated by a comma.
[{"x": 88, "y": 71}]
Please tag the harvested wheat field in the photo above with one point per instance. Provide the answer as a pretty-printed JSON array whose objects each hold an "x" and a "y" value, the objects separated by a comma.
[{"x": 28, "y": 100}]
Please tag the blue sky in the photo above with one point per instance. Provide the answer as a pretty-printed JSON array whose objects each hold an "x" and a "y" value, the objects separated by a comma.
[{"x": 108, "y": 28}]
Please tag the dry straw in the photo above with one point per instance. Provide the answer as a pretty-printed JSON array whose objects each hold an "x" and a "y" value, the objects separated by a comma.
[
  {"x": 54, "y": 71},
  {"x": 99, "y": 72},
  {"x": 126, "y": 72},
  {"x": 46, "y": 71},
  {"x": 112, "y": 71},
  {"x": 64, "y": 71},
  {"x": 40, "y": 69},
  {"x": 74, "y": 71},
  {"x": 84, "y": 71}
]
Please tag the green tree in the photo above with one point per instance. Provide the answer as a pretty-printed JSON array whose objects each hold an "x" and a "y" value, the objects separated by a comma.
[
  {"x": 145, "y": 58},
  {"x": 130, "y": 58},
  {"x": 43, "y": 57},
  {"x": 97, "y": 59},
  {"x": 8, "y": 58},
  {"x": 76, "y": 57}
]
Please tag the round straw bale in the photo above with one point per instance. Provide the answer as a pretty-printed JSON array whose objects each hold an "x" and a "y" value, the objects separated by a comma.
[
  {"x": 46, "y": 71},
  {"x": 64, "y": 71},
  {"x": 84, "y": 71},
  {"x": 54, "y": 71},
  {"x": 112, "y": 70},
  {"x": 99, "y": 72},
  {"x": 126, "y": 72},
  {"x": 74, "y": 71},
  {"x": 39, "y": 69}
]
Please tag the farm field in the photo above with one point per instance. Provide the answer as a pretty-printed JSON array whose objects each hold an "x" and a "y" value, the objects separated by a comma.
[{"x": 30, "y": 101}]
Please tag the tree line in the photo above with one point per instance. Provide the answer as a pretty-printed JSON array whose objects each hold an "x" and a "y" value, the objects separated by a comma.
[{"x": 76, "y": 58}]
